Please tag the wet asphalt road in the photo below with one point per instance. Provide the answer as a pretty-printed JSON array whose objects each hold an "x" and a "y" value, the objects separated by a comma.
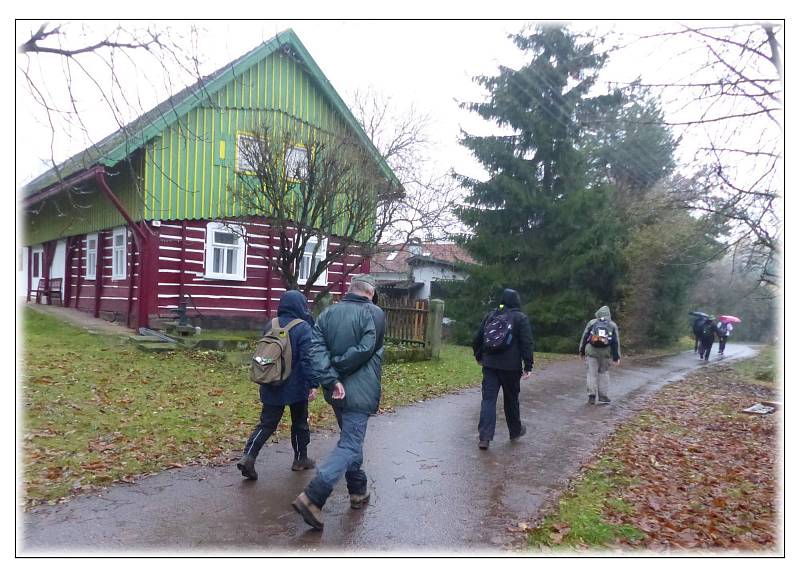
[{"x": 432, "y": 489}]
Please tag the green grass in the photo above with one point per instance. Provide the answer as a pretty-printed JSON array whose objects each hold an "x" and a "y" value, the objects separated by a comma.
[
  {"x": 762, "y": 368},
  {"x": 97, "y": 409},
  {"x": 578, "y": 520}
]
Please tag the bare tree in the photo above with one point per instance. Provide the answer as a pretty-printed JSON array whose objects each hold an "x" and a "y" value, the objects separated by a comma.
[
  {"x": 401, "y": 137},
  {"x": 78, "y": 77},
  {"x": 328, "y": 195},
  {"x": 733, "y": 102}
]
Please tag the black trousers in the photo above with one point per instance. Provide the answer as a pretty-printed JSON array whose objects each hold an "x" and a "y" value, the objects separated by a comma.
[
  {"x": 270, "y": 417},
  {"x": 705, "y": 348},
  {"x": 493, "y": 380},
  {"x": 723, "y": 340}
]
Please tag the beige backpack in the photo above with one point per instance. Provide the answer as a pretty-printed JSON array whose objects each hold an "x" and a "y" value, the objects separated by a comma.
[{"x": 272, "y": 361}]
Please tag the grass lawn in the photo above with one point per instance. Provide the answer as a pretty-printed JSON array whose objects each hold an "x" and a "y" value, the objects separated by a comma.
[
  {"x": 690, "y": 472},
  {"x": 96, "y": 409}
]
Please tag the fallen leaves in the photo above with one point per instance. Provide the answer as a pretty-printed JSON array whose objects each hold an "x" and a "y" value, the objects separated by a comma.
[{"x": 695, "y": 473}]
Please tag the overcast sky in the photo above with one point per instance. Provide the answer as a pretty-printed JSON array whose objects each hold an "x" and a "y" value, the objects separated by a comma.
[{"x": 429, "y": 65}]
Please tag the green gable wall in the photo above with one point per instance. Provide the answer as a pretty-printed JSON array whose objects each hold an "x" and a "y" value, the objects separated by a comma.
[{"x": 184, "y": 176}]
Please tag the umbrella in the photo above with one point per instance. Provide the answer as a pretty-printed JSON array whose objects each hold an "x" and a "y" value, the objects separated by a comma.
[
  {"x": 699, "y": 314},
  {"x": 729, "y": 319}
]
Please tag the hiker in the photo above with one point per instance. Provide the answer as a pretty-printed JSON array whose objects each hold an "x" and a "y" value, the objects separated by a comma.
[
  {"x": 346, "y": 351},
  {"x": 697, "y": 327},
  {"x": 600, "y": 343},
  {"x": 707, "y": 334},
  {"x": 295, "y": 391},
  {"x": 503, "y": 346},
  {"x": 724, "y": 330}
]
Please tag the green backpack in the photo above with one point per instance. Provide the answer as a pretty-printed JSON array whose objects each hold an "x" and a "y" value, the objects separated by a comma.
[{"x": 272, "y": 361}]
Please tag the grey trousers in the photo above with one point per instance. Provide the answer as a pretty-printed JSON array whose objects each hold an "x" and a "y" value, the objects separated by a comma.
[{"x": 597, "y": 377}]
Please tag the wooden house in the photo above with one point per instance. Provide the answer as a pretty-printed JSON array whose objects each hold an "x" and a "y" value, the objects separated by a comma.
[{"x": 132, "y": 226}]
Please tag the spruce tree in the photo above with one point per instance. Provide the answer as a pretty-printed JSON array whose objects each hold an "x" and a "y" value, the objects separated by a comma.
[{"x": 542, "y": 223}]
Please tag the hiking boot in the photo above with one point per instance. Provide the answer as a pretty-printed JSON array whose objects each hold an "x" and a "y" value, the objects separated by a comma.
[
  {"x": 603, "y": 400},
  {"x": 303, "y": 463},
  {"x": 247, "y": 466},
  {"x": 522, "y": 432},
  {"x": 309, "y": 511},
  {"x": 358, "y": 500},
  {"x": 483, "y": 444},
  {"x": 591, "y": 399}
]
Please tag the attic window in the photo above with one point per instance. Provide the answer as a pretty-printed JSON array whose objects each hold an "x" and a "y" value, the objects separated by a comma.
[
  {"x": 248, "y": 153},
  {"x": 391, "y": 256},
  {"x": 296, "y": 163}
]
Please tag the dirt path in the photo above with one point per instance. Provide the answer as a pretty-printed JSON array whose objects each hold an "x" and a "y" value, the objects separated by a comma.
[{"x": 432, "y": 489}]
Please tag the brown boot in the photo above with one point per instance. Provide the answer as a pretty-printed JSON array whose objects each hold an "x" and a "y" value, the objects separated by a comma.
[
  {"x": 303, "y": 463},
  {"x": 358, "y": 500},
  {"x": 309, "y": 511}
]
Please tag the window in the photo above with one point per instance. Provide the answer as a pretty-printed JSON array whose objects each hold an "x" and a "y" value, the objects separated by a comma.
[
  {"x": 91, "y": 256},
  {"x": 296, "y": 163},
  {"x": 119, "y": 253},
  {"x": 225, "y": 252},
  {"x": 247, "y": 153},
  {"x": 36, "y": 262},
  {"x": 310, "y": 261}
]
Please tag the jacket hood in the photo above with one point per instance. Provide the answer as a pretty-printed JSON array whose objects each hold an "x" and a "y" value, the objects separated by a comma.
[
  {"x": 510, "y": 299},
  {"x": 293, "y": 304},
  {"x": 603, "y": 312}
]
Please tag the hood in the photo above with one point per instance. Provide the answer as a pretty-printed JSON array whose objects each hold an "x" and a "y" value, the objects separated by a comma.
[
  {"x": 294, "y": 304},
  {"x": 603, "y": 312},
  {"x": 510, "y": 299}
]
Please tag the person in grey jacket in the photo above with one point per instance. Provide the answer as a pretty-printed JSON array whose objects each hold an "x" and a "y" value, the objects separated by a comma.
[
  {"x": 599, "y": 355},
  {"x": 347, "y": 352}
]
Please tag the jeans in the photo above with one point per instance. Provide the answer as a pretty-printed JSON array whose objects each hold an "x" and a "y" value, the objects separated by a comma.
[
  {"x": 270, "y": 417},
  {"x": 493, "y": 379},
  {"x": 345, "y": 459},
  {"x": 597, "y": 377}
]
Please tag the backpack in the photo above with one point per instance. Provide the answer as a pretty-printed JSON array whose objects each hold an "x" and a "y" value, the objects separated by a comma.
[
  {"x": 600, "y": 334},
  {"x": 272, "y": 361},
  {"x": 497, "y": 330},
  {"x": 707, "y": 330}
]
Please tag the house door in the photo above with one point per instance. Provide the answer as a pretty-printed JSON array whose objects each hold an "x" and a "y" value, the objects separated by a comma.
[
  {"x": 57, "y": 268},
  {"x": 36, "y": 267}
]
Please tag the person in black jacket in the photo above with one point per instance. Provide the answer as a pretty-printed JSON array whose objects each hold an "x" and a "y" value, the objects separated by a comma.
[
  {"x": 504, "y": 368},
  {"x": 295, "y": 392}
]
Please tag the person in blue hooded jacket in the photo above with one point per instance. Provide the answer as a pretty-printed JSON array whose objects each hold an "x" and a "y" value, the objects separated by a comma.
[{"x": 295, "y": 392}]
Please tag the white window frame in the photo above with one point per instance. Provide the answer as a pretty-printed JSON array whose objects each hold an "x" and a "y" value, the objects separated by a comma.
[
  {"x": 91, "y": 262},
  {"x": 240, "y": 271},
  {"x": 119, "y": 267},
  {"x": 322, "y": 253}
]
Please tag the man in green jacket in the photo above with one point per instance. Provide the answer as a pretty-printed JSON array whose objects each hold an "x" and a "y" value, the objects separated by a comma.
[
  {"x": 600, "y": 343},
  {"x": 346, "y": 352}
]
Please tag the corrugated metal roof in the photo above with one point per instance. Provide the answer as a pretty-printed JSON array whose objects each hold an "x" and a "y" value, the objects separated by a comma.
[{"x": 118, "y": 146}]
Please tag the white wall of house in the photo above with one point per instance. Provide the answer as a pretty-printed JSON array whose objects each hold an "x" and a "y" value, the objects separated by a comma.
[
  {"x": 432, "y": 272},
  {"x": 58, "y": 267},
  {"x": 22, "y": 272}
]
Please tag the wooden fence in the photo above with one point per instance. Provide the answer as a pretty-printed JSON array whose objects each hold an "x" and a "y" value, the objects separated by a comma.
[{"x": 406, "y": 321}]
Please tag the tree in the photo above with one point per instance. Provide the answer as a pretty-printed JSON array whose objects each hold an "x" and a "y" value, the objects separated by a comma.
[
  {"x": 401, "y": 137},
  {"x": 328, "y": 195},
  {"x": 544, "y": 222},
  {"x": 733, "y": 104}
]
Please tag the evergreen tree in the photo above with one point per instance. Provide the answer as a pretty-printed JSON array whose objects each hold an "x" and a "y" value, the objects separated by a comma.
[{"x": 543, "y": 223}]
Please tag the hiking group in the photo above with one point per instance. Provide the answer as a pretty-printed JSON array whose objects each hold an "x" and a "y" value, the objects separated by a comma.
[
  {"x": 342, "y": 352},
  {"x": 706, "y": 331}
]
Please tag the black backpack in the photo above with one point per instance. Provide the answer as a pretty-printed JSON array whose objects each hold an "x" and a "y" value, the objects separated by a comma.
[
  {"x": 601, "y": 334},
  {"x": 497, "y": 331}
]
